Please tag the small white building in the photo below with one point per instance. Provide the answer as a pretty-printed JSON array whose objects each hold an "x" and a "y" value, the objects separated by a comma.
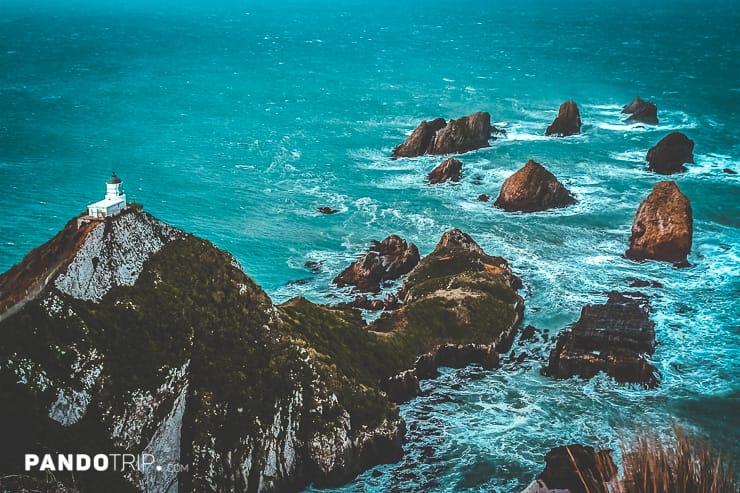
[{"x": 114, "y": 201}]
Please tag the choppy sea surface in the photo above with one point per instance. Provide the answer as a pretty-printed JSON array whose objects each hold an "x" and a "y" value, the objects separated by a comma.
[{"x": 237, "y": 120}]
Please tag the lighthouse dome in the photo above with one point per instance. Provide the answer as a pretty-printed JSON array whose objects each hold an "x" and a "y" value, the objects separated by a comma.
[{"x": 114, "y": 180}]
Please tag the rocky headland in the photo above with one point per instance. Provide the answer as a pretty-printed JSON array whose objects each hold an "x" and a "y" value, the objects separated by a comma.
[{"x": 147, "y": 339}]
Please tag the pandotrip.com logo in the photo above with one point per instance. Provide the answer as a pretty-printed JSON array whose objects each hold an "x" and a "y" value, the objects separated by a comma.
[{"x": 144, "y": 463}]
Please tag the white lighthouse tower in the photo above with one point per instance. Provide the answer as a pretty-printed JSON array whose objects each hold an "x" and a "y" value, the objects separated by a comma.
[{"x": 114, "y": 201}]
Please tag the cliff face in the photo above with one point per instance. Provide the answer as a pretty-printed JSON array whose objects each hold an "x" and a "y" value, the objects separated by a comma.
[{"x": 144, "y": 339}]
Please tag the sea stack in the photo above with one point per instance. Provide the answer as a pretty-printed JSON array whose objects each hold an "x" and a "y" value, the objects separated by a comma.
[
  {"x": 669, "y": 155},
  {"x": 420, "y": 139},
  {"x": 568, "y": 121},
  {"x": 385, "y": 260},
  {"x": 464, "y": 134},
  {"x": 663, "y": 226},
  {"x": 641, "y": 111},
  {"x": 613, "y": 338},
  {"x": 454, "y": 137},
  {"x": 449, "y": 169},
  {"x": 532, "y": 188}
]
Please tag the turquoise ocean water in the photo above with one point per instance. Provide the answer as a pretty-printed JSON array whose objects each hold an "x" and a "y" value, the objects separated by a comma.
[{"x": 236, "y": 120}]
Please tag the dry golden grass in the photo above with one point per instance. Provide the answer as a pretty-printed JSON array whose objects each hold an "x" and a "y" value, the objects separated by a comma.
[{"x": 652, "y": 465}]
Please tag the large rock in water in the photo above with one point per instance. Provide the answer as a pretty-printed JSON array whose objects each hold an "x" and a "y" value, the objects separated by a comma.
[
  {"x": 454, "y": 137},
  {"x": 420, "y": 139},
  {"x": 385, "y": 260},
  {"x": 570, "y": 466},
  {"x": 449, "y": 169},
  {"x": 663, "y": 226},
  {"x": 464, "y": 134},
  {"x": 641, "y": 111},
  {"x": 669, "y": 155},
  {"x": 613, "y": 338},
  {"x": 568, "y": 121},
  {"x": 532, "y": 188}
]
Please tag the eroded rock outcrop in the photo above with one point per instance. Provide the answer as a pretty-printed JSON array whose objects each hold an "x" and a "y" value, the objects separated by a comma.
[
  {"x": 533, "y": 188},
  {"x": 454, "y": 137},
  {"x": 641, "y": 111},
  {"x": 449, "y": 169},
  {"x": 464, "y": 134},
  {"x": 568, "y": 121},
  {"x": 420, "y": 140},
  {"x": 460, "y": 292},
  {"x": 613, "y": 338},
  {"x": 384, "y": 261},
  {"x": 670, "y": 154},
  {"x": 663, "y": 226}
]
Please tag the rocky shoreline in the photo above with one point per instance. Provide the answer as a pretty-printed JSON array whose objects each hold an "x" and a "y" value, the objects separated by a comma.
[{"x": 261, "y": 397}]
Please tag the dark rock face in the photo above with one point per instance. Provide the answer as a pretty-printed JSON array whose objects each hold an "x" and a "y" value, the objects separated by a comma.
[
  {"x": 464, "y": 134},
  {"x": 454, "y": 137},
  {"x": 641, "y": 111},
  {"x": 532, "y": 188},
  {"x": 613, "y": 338},
  {"x": 402, "y": 387},
  {"x": 385, "y": 260},
  {"x": 405, "y": 386},
  {"x": 569, "y": 466},
  {"x": 663, "y": 226},
  {"x": 420, "y": 139},
  {"x": 527, "y": 333},
  {"x": 390, "y": 302},
  {"x": 669, "y": 155},
  {"x": 449, "y": 169},
  {"x": 568, "y": 121}
]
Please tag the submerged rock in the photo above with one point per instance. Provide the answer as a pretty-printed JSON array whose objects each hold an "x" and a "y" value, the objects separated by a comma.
[
  {"x": 327, "y": 210},
  {"x": 454, "y": 137},
  {"x": 384, "y": 261},
  {"x": 641, "y": 111},
  {"x": 613, "y": 338},
  {"x": 483, "y": 198},
  {"x": 568, "y": 121},
  {"x": 420, "y": 139},
  {"x": 663, "y": 226},
  {"x": 532, "y": 188},
  {"x": 449, "y": 169},
  {"x": 670, "y": 154},
  {"x": 570, "y": 466}
]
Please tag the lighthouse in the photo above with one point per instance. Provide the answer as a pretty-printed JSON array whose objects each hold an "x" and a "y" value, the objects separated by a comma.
[{"x": 114, "y": 201}]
